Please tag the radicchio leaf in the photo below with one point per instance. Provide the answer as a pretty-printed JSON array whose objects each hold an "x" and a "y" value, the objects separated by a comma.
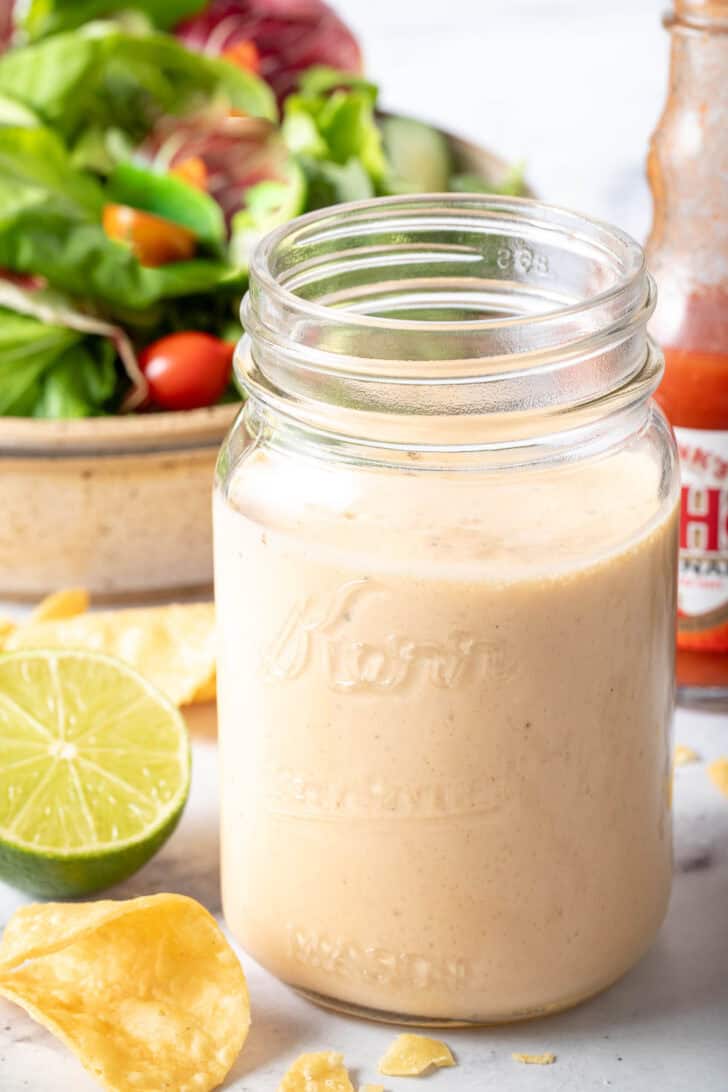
[
  {"x": 290, "y": 36},
  {"x": 238, "y": 152}
]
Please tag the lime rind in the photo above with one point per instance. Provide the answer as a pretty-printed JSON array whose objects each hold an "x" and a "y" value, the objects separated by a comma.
[{"x": 94, "y": 771}]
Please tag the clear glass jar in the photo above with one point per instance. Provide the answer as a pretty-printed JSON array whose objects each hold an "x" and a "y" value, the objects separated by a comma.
[{"x": 445, "y": 559}]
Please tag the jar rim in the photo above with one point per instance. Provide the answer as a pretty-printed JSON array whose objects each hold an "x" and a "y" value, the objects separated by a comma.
[
  {"x": 521, "y": 309},
  {"x": 556, "y": 216}
]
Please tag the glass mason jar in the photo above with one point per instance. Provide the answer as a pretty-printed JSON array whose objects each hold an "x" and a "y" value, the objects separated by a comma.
[{"x": 446, "y": 541}]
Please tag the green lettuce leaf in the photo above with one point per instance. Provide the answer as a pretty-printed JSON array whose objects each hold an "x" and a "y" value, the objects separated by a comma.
[
  {"x": 332, "y": 119},
  {"x": 51, "y": 371},
  {"x": 320, "y": 79},
  {"x": 77, "y": 256},
  {"x": 331, "y": 184},
  {"x": 102, "y": 75},
  {"x": 267, "y": 204},
  {"x": 80, "y": 383},
  {"x": 54, "y": 310},
  {"x": 44, "y": 17},
  {"x": 28, "y": 348},
  {"x": 35, "y": 165},
  {"x": 14, "y": 113}
]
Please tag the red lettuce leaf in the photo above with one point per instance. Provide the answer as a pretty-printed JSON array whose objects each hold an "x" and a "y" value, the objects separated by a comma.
[
  {"x": 290, "y": 36},
  {"x": 238, "y": 152}
]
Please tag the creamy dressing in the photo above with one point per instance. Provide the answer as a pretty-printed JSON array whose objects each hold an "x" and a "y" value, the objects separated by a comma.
[{"x": 444, "y": 707}]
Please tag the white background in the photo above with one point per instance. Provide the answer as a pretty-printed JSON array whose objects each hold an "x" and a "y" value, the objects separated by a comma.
[{"x": 573, "y": 87}]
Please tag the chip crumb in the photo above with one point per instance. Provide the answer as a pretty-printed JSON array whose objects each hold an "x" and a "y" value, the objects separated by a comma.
[
  {"x": 372, "y": 1088},
  {"x": 534, "y": 1059},
  {"x": 718, "y": 774},
  {"x": 413, "y": 1055},
  {"x": 66, "y": 603},
  {"x": 684, "y": 755},
  {"x": 321, "y": 1071}
]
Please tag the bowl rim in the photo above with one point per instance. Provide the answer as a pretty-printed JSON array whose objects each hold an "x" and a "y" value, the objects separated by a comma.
[{"x": 200, "y": 428}]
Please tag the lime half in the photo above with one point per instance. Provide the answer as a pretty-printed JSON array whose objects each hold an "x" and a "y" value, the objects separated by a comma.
[{"x": 94, "y": 771}]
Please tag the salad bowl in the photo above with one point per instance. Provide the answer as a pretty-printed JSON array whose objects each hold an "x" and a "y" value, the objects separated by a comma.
[{"x": 121, "y": 504}]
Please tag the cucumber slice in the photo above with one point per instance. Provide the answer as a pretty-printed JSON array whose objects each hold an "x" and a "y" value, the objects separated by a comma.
[{"x": 419, "y": 157}]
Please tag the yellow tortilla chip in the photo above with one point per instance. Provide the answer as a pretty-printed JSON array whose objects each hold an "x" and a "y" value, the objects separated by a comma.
[
  {"x": 684, "y": 755},
  {"x": 173, "y": 647},
  {"x": 147, "y": 993},
  {"x": 412, "y": 1055},
  {"x": 718, "y": 773},
  {"x": 320, "y": 1072},
  {"x": 61, "y": 604},
  {"x": 7, "y": 627},
  {"x": 534, "y": 1059},
  {"x": 372, "y": 1088}
]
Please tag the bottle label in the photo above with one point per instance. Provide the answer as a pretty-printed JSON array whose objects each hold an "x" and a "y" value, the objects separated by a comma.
[{"x": 703, "y": 579}]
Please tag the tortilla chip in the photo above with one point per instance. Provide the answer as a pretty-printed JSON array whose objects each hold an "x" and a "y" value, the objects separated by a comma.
[
  {"x": 61, "y": 604},
  {"x": 7, "y": 628},
  {"x": 321, "y": 1072},
  {"x": 372, "y": 1088},
  {"x": 534, "y": 1059},
  {"x": 718, "y": 773},
  {"x": 147, "y": 993},
  {"x": 413, "y": 1055},
  {"x": 173, "y": 647},
  {"x": 684, "y": 755}
]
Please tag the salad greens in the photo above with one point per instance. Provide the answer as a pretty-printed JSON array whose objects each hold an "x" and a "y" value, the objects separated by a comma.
[
  {"x": 105, "y": 75},
  {"x": 137, "y": 174},
  {"x": 331, "y": 119},
  {"x": 52, "y": 371},
  {"x": 44, "y": 17}
]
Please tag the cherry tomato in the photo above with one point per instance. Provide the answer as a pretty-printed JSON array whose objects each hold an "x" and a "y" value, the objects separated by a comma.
[
  {"x": 244, "y": 54},
  {"x": 187, "y": 370},
  {"x": 155, "y": 241},
  {"x": 193, "y": 171}
]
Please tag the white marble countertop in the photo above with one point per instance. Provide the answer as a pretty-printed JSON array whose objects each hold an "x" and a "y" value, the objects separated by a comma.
[{"x": 663, "y": 1028}]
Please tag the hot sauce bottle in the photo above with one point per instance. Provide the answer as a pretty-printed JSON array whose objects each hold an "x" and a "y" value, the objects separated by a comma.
[{"x": 687, "y": 252}]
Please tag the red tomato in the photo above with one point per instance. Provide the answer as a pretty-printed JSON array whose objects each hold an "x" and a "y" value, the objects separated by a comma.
[
  {"x": 155, "y": 241},
  {"x": 187, "y": 370}
]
